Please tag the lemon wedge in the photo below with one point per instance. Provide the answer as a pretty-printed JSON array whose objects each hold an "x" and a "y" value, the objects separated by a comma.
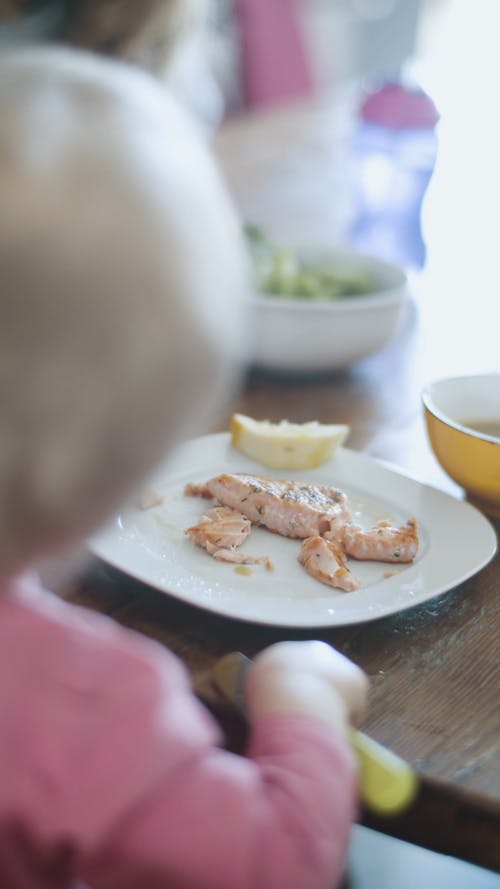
[{"x": 286, "y": 445}]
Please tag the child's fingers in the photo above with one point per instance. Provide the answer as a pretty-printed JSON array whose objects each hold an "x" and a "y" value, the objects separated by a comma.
[
  {"x": 322, "y": 661},
  {"x": 271, "y": 692}
]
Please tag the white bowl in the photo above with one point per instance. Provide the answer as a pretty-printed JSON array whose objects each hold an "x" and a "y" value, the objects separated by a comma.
[{"x": 303, "y": 335}]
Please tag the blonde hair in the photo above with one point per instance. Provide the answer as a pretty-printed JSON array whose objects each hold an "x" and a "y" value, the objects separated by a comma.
[{"x": 122, "y": 274}]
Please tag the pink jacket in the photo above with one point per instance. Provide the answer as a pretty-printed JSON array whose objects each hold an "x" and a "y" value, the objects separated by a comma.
[{"x": 111, "y": 773}]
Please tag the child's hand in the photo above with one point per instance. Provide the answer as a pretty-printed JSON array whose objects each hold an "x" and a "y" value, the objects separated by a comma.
[{"x": 307, "y": 678}]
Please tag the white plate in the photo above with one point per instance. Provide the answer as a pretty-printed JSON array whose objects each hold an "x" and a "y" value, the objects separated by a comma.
[{"x": 456, "y": 541}]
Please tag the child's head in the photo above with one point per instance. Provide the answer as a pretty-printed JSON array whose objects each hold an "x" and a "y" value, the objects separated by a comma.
[{"x": 121, "y": 275}]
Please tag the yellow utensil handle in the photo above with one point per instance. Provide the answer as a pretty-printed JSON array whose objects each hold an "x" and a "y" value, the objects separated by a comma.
[{"x": 388, "y": 785}]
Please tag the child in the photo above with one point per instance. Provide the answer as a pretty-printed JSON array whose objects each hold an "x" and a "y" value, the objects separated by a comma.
[{"x": 121, "y": 277}]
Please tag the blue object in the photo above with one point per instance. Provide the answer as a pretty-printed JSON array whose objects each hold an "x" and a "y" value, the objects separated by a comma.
[{"x": 393, "y": 158}]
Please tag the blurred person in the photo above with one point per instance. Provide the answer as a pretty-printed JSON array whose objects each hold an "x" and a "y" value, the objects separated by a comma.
[
  {"x": 123, "y": 28},
  {"x": 122, "y": 277},
  {"x": 148, "y": 32},
  {"x": 172, "y": 39}
]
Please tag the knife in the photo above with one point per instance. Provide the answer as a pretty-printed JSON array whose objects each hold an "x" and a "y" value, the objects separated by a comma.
[{"x": 388, "y": 784}]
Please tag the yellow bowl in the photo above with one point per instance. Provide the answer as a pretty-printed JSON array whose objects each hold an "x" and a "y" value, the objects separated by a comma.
[{"x": 462, "y": 416}]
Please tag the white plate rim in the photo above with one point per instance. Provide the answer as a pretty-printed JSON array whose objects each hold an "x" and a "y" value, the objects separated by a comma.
[{"x": 439, "y": 567}]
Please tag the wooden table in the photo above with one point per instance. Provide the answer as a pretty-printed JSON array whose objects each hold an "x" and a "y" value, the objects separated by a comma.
[{"x": 435, "y": 669}]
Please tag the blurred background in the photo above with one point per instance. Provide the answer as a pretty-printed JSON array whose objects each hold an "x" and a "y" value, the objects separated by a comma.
[
  {"x": 392, "y": 145},
  {"x": 354, "y": 167}
]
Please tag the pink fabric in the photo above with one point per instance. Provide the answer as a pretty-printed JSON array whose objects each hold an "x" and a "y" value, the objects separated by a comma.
[
  {"x": 111, "y": 773},
  {"x": 274, "y": 61}
]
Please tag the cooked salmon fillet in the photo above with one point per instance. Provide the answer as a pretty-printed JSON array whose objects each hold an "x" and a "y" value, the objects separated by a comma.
[
  {"x": 220, "y": 528},
  {"x": 317, "y": 514},
  {"x": 289, "y": 508},
  {"x": 383, "y": 542},
  {"x": 221, "y": 531},
  {"x": 324, "y": 560}
]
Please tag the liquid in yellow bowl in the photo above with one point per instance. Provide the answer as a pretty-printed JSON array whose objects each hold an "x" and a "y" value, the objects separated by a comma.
[{"x": 462, "y": 416}]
